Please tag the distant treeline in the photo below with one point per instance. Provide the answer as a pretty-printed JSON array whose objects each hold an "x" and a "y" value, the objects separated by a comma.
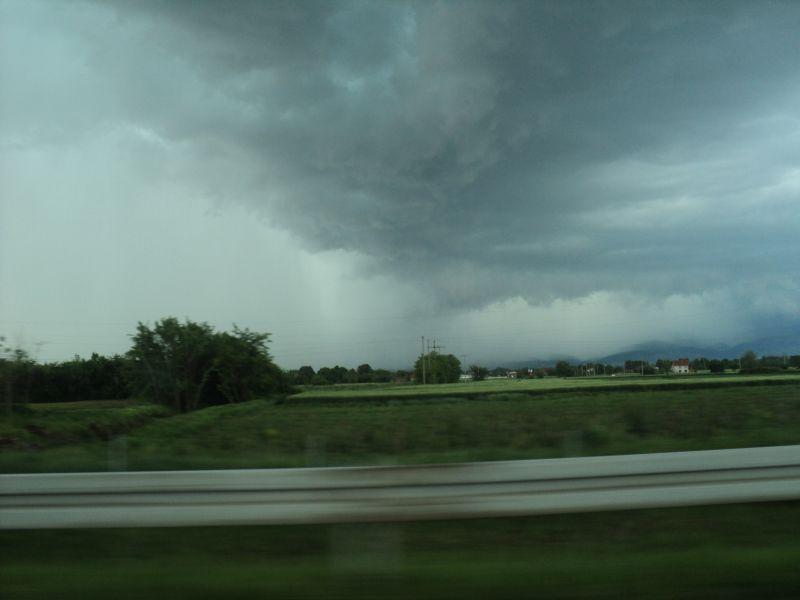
[
  {"x": 95, "y": 378},
  {"x": 749, "y": 362},
  {"x": 306, "y": 375},
  {"x": 438, "y": 368},
  {"x": 182, "y": 365}
]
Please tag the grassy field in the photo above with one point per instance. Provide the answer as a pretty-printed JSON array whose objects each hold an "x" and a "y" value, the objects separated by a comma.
[
  {"x": 740, "y": 551},
  {"x": 536, "y": 386},
  {"x": 746, "y": 551},
  {"x": 511, "y": 425}
]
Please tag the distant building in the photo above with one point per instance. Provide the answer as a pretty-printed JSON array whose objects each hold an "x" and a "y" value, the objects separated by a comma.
[
  {"x": 465, "y": 377},
  {"x": 680, "y": 366},
  {"x": 511, "y": 374}
]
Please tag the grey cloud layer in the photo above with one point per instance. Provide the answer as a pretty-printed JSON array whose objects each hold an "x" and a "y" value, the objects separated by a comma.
[{"x": 484, "y": 149}]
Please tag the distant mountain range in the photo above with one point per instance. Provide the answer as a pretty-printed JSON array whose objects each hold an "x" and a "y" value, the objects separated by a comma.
[{"x": 776, "y": 345}]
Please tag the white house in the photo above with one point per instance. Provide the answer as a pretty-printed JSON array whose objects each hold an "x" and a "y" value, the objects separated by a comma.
[{"x": 680, "y": 366}]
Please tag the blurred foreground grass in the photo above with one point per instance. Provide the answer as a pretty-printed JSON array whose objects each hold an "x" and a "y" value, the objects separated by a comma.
[
  {"x": 267, "y": 433},
  {"x": 740, "y": 551}
]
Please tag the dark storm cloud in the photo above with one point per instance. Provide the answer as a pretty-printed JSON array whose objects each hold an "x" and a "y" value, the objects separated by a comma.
[{"x": 543, "y": 150}]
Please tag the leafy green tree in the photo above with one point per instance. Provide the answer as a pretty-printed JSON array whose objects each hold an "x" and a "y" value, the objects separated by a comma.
[
  {"x": 189, "y": 365},
  {"x": 242, "y": 366},
  {"x": 382, "y": 376},
  {"x": 174, "y": 361},
  {"x": 749, "y": 360},
  {"x": 305, "y": 375},
  {"x": 330, "y": 375},
  {"x": 564, "y": 369},
  {"x": 439, "y": 368},
  {"x": 15, "y": 374},
  {"x": 478, "y": 373},
  {"x": 664, "y": 365},
  {"x": 365, "y": 373}
]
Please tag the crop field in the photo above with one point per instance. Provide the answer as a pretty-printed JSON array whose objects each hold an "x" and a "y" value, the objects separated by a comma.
[
  {"x": 498, "y": 426},
  {"x": 534, "y": 386}
]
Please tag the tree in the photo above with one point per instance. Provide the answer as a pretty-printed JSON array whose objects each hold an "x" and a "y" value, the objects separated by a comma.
[
  {"x": 242, "y": 367},
  {"x": 749, "y": 360},
  {"x": 189, "y": 365},
  {"x": 381, "y": 376},
  {"x": 174, "y": 361},
  {"x": 15, "y": 374},
  {"x": 365, "y": 373},
  {"x": 664, "y": 365},
  {"x": 439, "y": 368},
  {"x": 564, "y": 369},
  {"x": 305, "y": 375},
  {"x": 478, "y": 373},
  {"x": 637, "y": 366}
]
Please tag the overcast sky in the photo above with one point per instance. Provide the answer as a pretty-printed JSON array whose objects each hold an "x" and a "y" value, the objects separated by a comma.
[{"x": 512, "y": 179}]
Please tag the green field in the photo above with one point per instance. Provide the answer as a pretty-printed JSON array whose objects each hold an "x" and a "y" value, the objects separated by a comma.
[
  {"x": 743, "y": 551},
  {"x": 500, "y": 426},
  {"x": 535, "y": 386},
  {"x": 740, "y": 551}
]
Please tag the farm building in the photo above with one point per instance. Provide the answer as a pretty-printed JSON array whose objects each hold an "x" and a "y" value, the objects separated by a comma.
[{"x": 680, "y": 366}]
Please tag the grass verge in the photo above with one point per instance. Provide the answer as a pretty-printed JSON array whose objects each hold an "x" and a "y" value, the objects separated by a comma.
[{"x": 739, "y": 551}]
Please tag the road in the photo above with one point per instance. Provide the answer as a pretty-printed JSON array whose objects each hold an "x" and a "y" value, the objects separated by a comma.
[{"x": 350, "y": 494}]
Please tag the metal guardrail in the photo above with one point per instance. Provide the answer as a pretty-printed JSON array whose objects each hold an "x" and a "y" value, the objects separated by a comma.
[{"x": 350, "y": 494}]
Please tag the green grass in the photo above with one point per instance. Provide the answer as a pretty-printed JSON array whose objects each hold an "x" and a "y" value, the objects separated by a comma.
[
  {"x": 42, "y": 426},
  {"x": 43, "y": 407},
  {"x": 740, "y": 551},
  {"x": 408, "y": 431},
  {"x": 534, "y": 386}
]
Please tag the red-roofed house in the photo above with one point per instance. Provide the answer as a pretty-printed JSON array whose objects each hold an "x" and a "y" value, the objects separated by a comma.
[{"x": 680, "y": 366}]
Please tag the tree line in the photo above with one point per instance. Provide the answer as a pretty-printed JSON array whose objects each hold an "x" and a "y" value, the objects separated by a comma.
[
  {"x": 185, "y": 365},
  {"x": 749, "y": 362},
  {"x": 306, "y": 375},
  {"x": 432, "y": 367}
]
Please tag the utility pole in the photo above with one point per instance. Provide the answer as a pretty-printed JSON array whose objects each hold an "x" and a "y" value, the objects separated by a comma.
[
  {"x": 422, "y": 358},
  {"x": 435, "y": 348},
  {"x": 428, "y": 356}
]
